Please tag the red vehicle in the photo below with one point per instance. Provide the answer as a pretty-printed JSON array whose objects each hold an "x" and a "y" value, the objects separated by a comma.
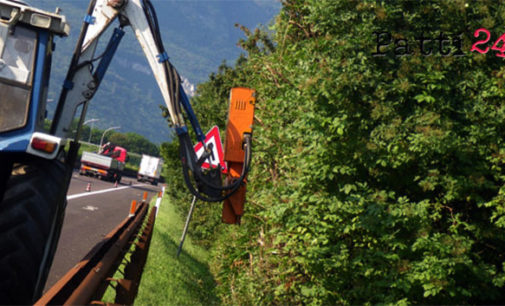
[
  {"x": 114, "y": 151},
  {"x": 107, "y": 164}
]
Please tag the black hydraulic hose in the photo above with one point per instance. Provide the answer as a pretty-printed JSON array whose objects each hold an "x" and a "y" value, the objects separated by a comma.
[
  {"x": 154, "y": 17},
  {"x": 153, "y": 22},
  {"x": 197, "y": 194},
  {"x": 177, "y": 91},
  {"x": 245, "y": 170},
  {"x": 189, "y": 184},
  {"x": 173, "y": 75},
  {"x": 170, "y": 72},
  {"x": 234, "y": 187},
  {"x": 91, "y": 61}
]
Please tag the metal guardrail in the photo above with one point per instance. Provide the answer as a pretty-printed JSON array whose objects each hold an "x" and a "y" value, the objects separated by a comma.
[{"x": 87, "y": 281}]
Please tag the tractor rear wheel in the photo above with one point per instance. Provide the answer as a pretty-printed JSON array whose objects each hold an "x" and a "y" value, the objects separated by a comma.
[{"x": 31, "y": 217}]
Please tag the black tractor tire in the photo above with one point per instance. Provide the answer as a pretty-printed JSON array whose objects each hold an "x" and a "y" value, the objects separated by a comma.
[{"x": 31, "y": 217}]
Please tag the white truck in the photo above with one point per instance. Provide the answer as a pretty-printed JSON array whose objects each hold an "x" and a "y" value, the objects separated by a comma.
[{"x": 150, "y": 169}]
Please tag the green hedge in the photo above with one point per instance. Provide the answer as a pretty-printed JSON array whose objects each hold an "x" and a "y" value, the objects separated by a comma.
[{"x": 374, "y": 179}]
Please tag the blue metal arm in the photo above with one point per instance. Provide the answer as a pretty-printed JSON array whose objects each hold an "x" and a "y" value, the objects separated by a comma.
[{"x": 191, "y": 115}]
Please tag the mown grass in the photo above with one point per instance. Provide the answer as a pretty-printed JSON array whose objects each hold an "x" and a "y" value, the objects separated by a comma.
[{"x": 168, "y": 280}]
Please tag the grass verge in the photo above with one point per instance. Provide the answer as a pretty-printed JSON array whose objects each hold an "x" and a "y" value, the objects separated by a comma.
[{"x": 167, "y": 280}]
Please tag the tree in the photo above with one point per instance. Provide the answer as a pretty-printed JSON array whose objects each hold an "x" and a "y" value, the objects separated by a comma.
[{"x": 134, "y": 142}]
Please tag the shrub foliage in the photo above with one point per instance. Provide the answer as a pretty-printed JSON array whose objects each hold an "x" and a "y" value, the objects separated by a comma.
[{"x": 374, "y": 179}]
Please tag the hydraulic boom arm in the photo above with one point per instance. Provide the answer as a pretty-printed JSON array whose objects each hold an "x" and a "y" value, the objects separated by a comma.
[
  {"x": 87, "y": 69},
  {"x": 82, "y": 80}
]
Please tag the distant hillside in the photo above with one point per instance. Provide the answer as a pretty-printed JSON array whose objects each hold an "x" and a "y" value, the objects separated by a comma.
[{"x": 198, "y": 36}]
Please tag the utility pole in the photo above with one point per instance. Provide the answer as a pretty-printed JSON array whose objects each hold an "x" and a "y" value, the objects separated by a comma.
[
  {"x": 91, "y": 128},
  {"x": 111, "y": 128}
]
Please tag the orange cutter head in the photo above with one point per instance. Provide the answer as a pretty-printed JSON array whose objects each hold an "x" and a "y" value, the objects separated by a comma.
[{"x": 240, "y": 122}]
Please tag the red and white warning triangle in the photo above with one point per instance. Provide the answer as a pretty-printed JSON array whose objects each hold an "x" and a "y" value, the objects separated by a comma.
[{"x": 217, "y": 157}]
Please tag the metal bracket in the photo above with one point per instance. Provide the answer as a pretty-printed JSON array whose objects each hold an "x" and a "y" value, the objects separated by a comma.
[
  {"x": 89, "y": 19},
  {"x": 163, "y": 57},
  {"x": 181, "y": 130},
  {"x": 68, "y": 84}
]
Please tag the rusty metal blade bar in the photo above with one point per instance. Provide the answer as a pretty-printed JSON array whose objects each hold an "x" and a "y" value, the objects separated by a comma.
[
  {"x": 127, "y": 288},
  {"x": 79, "y": 285}
]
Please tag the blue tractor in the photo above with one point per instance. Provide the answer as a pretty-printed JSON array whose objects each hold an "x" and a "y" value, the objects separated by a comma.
[
  {"x": 32, "y": 175},
  {"x": 36, "y": 162}
]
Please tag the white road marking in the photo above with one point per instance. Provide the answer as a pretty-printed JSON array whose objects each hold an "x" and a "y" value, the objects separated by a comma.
[
  {"x": 85, "y": 194},
  {"x": 90, "y": 208}
]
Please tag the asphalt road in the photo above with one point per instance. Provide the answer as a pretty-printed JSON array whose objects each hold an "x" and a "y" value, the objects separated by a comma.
[{"x": 90, "y": 215}]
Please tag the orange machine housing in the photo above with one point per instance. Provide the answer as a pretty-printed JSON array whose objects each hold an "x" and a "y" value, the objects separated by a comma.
[{"x": 240, "y": 122}]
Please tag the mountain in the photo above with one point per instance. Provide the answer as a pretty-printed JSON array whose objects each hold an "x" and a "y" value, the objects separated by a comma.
[{"x": 198, "y": 35}]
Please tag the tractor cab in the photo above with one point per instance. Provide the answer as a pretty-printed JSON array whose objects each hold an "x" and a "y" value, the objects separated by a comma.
[{"x": 26, "y": 45}]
